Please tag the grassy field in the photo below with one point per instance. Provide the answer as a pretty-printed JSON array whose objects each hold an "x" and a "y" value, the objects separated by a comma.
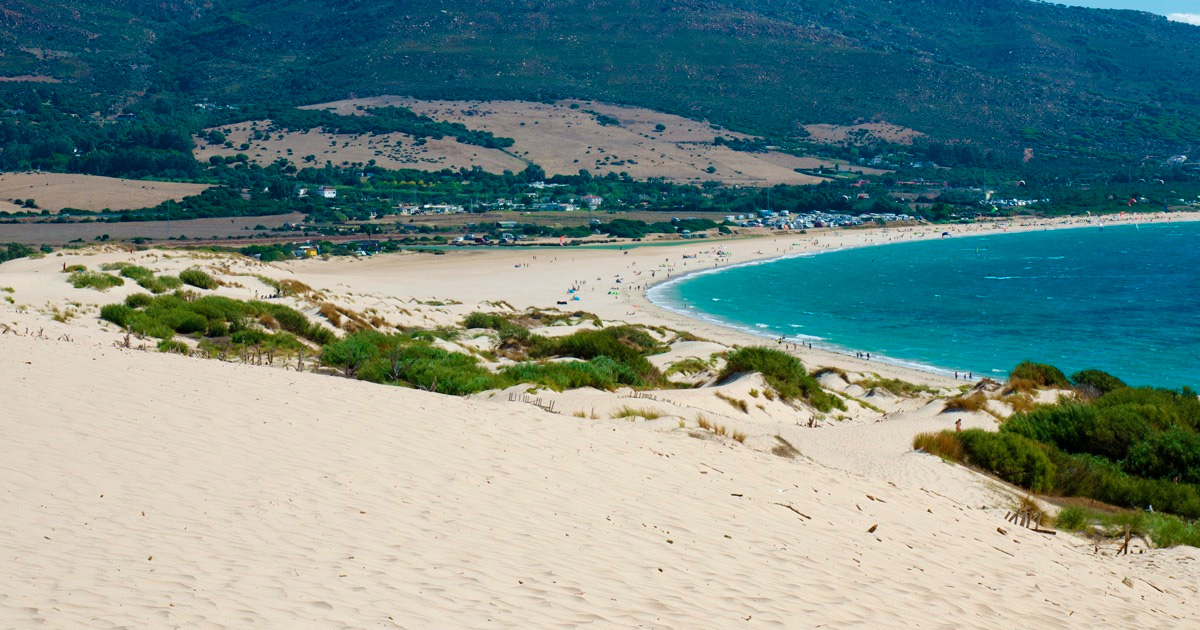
[{"x": 55, "y": 191}]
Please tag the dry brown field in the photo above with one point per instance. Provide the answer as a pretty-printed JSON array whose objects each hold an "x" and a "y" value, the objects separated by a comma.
[
  {"x": 838, "y": 134},
  {"x": 557, "y": 137},
  {"x": 63, "y": 233},
  {"x": 55, "y": 191}
]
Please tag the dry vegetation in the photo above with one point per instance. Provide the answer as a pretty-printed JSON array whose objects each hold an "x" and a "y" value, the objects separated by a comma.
[
  {"x": 557, "y": 137},
  {"x": 55, "y": 191}
]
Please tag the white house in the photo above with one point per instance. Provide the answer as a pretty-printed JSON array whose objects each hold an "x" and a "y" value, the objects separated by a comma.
[{"x": 328, "y": 192}]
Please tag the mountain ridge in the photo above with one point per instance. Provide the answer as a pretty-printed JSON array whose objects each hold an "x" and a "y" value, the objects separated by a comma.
[{"x": 1011, "y": 75}]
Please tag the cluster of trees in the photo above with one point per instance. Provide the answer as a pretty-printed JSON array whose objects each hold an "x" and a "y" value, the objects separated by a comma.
[{"x": 377, "y": 120}]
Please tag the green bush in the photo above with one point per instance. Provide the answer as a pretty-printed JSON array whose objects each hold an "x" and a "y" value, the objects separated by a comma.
[
  {"x": 178, "y": 347},
  {"x": 1171, "y": 454},
  {"x": 1074, "y": 518},
  {"x": 784, "y": 373},
  {"x": 1041, "y": 374},
  {"x": 1103, "y": 480},
  {"x": 136, "y": 273},
  {"x": 198, "y": 279},
  {"x": 137, "y": 300},
  {"x": 1169, "y": 531},
  {"x": 600, "y": 373},
  {"x": 94, "y": 280},
  {"x": 168, "y": 283},
  {"x": 1094, "y": 383},
  {"x": 1012, "y": 457},
  {"x": 420, "y": 365},
  {"x": 1080, "y": 428},
  {"x": 119, "y": 314},
  {"x": 349, "y": 354},
  {"x": 626, "y": 345}
]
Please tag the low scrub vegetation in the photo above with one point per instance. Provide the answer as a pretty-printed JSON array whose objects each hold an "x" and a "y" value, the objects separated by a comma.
[
  {"x": 198, "y": 279},
  {"x": 223, "y": 321},
  {"x": 1039, "y": 375},
  {"x": 97, "y": 280},
  {"x": 784, "y": 373},
  {"x": 968, "y": 403},
  {"x": 1164, "y": 530},
  {"x": 1129, "y": 447},
  {"x": 895, "y": 386}
]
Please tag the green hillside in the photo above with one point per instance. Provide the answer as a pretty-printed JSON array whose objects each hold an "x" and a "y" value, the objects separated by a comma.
[{"x": 1069, "y": 83}]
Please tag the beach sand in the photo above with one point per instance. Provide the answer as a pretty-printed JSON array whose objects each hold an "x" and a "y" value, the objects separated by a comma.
[{"x": 152, "y": 490}]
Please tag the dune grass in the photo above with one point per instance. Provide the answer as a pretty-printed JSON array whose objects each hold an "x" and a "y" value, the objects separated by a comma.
[
  {"x": 895, "y": 386},
  {"x": 630, "y": 412},
  {"x": 943, "y": 444},
  {"x": 968, "y": 403}
]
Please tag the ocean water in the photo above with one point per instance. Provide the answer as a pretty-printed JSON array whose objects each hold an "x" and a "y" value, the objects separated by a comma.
[{"x": 1123, "y": 299}]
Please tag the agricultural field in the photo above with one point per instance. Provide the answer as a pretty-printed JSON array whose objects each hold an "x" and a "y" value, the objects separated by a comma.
[
  {"x": 29, "y": 233},
  {"x": 55, "y": 191}
]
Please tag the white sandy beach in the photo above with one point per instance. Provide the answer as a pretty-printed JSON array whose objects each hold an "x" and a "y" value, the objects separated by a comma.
[{"x": 152, "y": 490}]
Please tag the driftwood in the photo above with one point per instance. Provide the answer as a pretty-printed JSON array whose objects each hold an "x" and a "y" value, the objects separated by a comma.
[{"x": 798, "y": 511}]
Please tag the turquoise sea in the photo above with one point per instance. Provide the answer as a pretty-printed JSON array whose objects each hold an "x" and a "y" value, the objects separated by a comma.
[{"x": 1123, "y": 299}]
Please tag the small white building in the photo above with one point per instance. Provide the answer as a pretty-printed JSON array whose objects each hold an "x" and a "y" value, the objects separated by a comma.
[
  {"x": 328, "y": 192},
  {"x": 592, "y": 200}
]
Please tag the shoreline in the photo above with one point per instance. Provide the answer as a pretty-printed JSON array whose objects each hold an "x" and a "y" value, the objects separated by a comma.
[{"x": 826, "y": 350}]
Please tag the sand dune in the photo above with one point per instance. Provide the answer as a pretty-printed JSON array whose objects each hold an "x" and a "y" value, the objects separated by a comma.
[
  {"x": 147, "y": 490},
  {"x": 144, "y": 489}
]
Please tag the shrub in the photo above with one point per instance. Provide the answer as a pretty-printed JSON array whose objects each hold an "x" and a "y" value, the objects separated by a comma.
[
  {"x": 626, "y": 345},
  {"x": 1080, "y": 428},
  {"x": 1012, "y": 457},
  {"x": 944, "y": 444},
  {"x": 74, "y": 268},
  {"x": 178, "y": 347},
  {"x": 1041, "y": 374},
  {"x": 349, "y": 354},
  {"x": 94, "y": 280},
  {"x": 119, "y": 314},
  {"x": 198, "y": 279},
  {"x": 168, "y": 283},
  {"x": 136, "y": 273},
  {"x": 1171, "y": 454},
  {"x": 1169, "y": 531},
  {"x": 1094, "y": 383},
  {"x": 784, "y": 373},
  {"x": 138, "y": 300},
  {"x": 600, "y": 373},
  {"x": 1074, "y": 518}
]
